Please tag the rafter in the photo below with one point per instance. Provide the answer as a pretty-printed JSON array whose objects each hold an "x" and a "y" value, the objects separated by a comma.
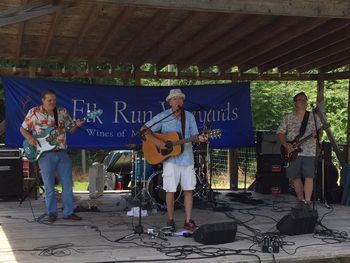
[
  {"x": 326, "y": 60},
  {"x": 310, "y": 8},
  {"x": 315, "y": 55},
  {"x": 29, "y": 11},
  {"x": 317, "y": 33},
  {"x": 85, "y": 26},
  {"x": 139, "y": 36},
  {"x": 309, "y": 48},
  {"x": 200, "y": 36},
  {"x": 115, "y": 26},
  {"x": 52, "y": 31},
  {"x": 242, "y": 28},
  {"x": 336, "y": 64},
  {"x": 170, "y": 36},
  {"x": 259, "y": 36},
  {"x": 273, "y": 42}
]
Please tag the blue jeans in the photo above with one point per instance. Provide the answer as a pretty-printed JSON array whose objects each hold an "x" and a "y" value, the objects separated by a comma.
[{"x": 49, "y": 163}]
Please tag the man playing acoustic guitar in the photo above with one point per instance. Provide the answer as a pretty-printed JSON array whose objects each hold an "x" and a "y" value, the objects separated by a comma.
[
  {"x": 180, "y": 168},
  {"x": 301, "y": 157},
  {"x": 37, "y": 120}
]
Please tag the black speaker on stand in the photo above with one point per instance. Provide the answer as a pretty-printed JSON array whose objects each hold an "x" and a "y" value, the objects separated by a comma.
[{"x": 11, "y": 173}]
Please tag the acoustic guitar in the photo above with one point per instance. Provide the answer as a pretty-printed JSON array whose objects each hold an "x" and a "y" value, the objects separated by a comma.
[{"x": 173, "y": 143}]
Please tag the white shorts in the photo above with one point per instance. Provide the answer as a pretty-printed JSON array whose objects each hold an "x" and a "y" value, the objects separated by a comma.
[{"x": 173, "y": 174}]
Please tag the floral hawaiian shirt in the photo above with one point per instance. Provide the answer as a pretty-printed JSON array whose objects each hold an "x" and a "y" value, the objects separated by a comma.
[{"x": 38, "y": 120}]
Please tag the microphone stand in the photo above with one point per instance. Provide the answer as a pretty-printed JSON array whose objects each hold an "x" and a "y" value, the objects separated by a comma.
[
  {"x": 138, "y": 229},
  {"x": 319, "y": 157}
]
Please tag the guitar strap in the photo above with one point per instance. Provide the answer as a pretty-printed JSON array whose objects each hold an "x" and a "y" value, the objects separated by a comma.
[
  {"x": 304, "y": 123},
  {"x": 55, "y": 115},
  {"x": 183, "y": 122}
]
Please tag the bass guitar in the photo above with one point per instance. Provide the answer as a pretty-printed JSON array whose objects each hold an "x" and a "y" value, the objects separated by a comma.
[
  {"x": 47, "y": 140},
  {"x": 173, "y": 143}
]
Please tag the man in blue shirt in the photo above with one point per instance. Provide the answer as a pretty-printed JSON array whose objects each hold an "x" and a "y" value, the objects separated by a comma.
[{"x": 180, "y": 168}]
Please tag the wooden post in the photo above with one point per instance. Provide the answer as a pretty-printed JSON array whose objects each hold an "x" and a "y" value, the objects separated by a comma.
[
  {"x": 320, "y": 92},
  {"x": 348, "y": 129}
]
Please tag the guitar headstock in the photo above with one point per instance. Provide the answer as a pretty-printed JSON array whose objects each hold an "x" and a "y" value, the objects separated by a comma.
[
  {"x": 213, "y": 134},
  {"x": 93, "y": 114}
]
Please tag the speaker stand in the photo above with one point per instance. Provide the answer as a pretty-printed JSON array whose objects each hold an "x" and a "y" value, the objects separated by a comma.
[{"x": 35, "y": 186}]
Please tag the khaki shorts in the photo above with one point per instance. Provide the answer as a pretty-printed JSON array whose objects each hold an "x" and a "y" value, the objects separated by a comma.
[{"x": 174, "y": 174}]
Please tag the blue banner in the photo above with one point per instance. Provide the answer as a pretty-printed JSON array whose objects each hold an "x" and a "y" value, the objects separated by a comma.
[{"x": 127, "y": 108}]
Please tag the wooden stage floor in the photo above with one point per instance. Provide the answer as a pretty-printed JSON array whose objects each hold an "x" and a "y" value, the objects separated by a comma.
[{"x": 26, "y": 236}]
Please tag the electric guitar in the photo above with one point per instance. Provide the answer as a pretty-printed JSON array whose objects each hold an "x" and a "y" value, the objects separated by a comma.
[
  {"x": 173, "y": 143},
  {"x": 47, "y": 140},
  {"x": 296, "y": 145}
]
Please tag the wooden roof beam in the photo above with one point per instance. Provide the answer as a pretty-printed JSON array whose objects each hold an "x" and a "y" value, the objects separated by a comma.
[
  {"x": 116, "y": 25},
  {"x": 170, "y": 36},
  {"x": 243, "y": 28},
  {"x": 261, "y": 35},
  {"x": 29, "y": 11},
  {"x": 85, "y": 26},
  {"x": 336, "y": 64},
  {"x": 317, "y": 33},
  {"x": 327, "y": 60},
  {"x": 52, "y": 31},
  {"x": 273, "y": 43},
  {"x": 20, "y": 36},
  {"x": 150, "y": 26},
  {"x": 310, "y": 8},
  {"x": 307, "y": 49},
  {"x": 200, "y": 36},
  {"x": 313, "y": 56}
]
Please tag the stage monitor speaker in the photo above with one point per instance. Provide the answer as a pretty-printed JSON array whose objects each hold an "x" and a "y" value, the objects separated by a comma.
[
  {"x": 270, "y": 163},
  {"x": 299, "y": 221},
  {"x": 267, "y": 143},
  {"x": 265, "y": 182},
  {"x": 217, "y": 233},
  {"x": 11, "y": 177}
]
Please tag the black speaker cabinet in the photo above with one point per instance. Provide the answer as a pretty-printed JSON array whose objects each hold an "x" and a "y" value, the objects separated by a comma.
[
  {"x": 267, "y": 143},
  {"x": 11, "y": 176},
  {"x": 217, "y": 233},
  {"x": 299, "y": 221},
  {"x": 270, "y": 163},
  {"x": 266, "y": 181}
]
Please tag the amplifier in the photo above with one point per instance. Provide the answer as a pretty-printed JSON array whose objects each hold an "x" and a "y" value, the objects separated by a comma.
[
  {"x": 10, "y": 154},
  {"x": 267, "y": 143}
]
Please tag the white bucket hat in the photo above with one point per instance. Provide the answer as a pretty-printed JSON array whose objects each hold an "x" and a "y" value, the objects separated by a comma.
[{"x": 175, "y": 93}]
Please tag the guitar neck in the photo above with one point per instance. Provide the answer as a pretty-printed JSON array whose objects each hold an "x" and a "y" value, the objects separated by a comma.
[
  {"x": 307, "y": 137},
  {"x": 58, "y": 132}
]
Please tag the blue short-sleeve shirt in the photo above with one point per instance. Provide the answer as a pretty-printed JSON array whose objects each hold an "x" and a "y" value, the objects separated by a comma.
[{"x": 173, "y": 124}]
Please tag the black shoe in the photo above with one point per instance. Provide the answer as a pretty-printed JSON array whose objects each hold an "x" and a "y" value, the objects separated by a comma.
[
  {"x": 52, "y": 218},
  {"x": 171, "y": 225}
]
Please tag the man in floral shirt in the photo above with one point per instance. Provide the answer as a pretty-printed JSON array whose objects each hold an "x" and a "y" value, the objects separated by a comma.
[
  {"x": 303, "y": 166},
  {"x": 37, "y": 120}
]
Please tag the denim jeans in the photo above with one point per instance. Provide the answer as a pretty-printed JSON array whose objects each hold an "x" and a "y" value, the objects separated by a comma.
[{"x": 49, "y": 163}]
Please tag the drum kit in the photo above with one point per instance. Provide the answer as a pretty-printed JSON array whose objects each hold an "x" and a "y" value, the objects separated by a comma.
[{"x": 147, "y": 180}]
